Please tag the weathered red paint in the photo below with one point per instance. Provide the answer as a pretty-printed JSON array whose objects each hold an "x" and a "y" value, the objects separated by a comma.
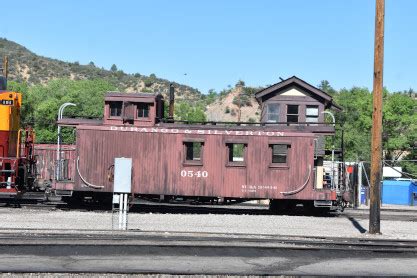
[
  {"x": 158, "y": 159},
  {"x": 46, "y": 162},
  {"x": 158, "y": 155}
]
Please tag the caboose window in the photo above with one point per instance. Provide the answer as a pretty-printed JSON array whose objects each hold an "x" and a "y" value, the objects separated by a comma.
[
  {"x": 116, "y": 108},
  {"x": 143, "y": 110},
  {"x": 194, "y": 152},
  {"x": 236, "y": 153},
  {"x": 292, "y": 113},
  {"x": 312, "y": 113},
  {"x": 279, "y": 153},
  {"x": 272, "y": 113}
]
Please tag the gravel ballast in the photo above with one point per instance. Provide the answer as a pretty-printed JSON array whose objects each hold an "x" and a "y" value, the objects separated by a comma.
[{"x": 283, "y": 225}]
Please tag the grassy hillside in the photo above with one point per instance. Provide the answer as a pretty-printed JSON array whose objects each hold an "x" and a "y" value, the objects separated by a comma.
[{"x": 26, "y": 66}]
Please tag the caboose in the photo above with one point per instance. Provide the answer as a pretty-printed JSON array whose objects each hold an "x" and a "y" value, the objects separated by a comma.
[{"x": 280, "y": 158}]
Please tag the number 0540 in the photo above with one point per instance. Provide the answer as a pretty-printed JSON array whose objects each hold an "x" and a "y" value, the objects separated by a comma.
[{"x": 191, "y": 174}]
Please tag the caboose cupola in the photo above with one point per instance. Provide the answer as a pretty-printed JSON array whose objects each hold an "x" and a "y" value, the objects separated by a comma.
[
  {"x": 293, "y": 101},
  {"x": 136, "y": 109}
]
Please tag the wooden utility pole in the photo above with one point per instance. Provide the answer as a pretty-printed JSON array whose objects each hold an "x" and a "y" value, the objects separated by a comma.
[{"x": 376, "y": 144}]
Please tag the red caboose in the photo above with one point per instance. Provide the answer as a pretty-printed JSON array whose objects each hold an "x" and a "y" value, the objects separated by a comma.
[{"x": 280, "y": 158}]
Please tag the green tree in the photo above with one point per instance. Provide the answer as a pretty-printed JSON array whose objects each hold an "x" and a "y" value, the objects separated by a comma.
[
  {"x": 211, "y": 96},
  {"x": 186, "y": 112},
  {"x": 113, "y": 68},
  {"x": 356, "y": 121},
  {"x": 399, "y": 124},
  {"x": 327, "y": 88},
  {"x": 45, "y": 100},
  {"x": 409, "y": 165}
]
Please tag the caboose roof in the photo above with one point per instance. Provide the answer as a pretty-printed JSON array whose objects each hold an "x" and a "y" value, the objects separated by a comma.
[
  {"x": 140, "y": 97},
  {"x": 322, "y": 96}
]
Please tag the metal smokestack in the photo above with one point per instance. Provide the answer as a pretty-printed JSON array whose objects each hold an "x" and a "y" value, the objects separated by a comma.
[{"x": 171, "y": 102}]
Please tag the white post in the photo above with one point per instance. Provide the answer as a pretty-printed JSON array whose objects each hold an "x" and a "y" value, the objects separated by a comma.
[
  {"x": 58, "y": 150},
  {"x": 120, "y": 211},
  {"x": 360, "y": 182},
  {"x": 332, "y": 183},
  {"x": 125, "y": 212}
]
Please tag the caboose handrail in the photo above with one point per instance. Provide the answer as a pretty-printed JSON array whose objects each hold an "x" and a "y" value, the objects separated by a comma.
[
  {"x": 165, "y": 120},
  {"x": 301, "y": 187},
  {"x": 83, "y": 180}
]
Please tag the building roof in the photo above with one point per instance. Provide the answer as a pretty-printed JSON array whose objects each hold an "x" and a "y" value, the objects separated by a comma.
[{"x": 327, "y": 99}]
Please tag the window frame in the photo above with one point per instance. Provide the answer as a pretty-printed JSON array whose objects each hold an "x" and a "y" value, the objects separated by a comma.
[
  {"x": 312, "y": 116},
  {"x": 292, "y": 114},
  {"x": 229, "y": 144},
  {"x": 285, "y": 164},
  {"x": 148, "y": 105},
  {"x": 268, "y": 113},
  {"x": 110, "y": 110},
  {"x": 188, "y": 162}
]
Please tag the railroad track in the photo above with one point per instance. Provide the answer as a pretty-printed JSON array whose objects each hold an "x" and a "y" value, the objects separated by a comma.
[
  {"x": 201, "y": 253},
  {"x": 168, "y": 238}
]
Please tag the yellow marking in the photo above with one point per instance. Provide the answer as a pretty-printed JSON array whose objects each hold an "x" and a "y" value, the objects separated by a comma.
[{"x": 10, "y": 114}]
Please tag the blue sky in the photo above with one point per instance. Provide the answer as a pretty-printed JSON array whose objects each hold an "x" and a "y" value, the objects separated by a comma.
[{"x": 216, "y": 43}]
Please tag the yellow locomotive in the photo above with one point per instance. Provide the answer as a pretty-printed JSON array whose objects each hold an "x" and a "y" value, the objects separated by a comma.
[{"x": 16, "y": 146}]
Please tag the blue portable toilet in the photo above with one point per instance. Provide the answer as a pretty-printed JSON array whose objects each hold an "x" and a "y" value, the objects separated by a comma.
[{"x": 399, "y": 192}]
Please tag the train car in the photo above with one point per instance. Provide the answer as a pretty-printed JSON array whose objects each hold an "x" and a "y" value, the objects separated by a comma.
[
  {"x": 17, "y": 163},
  {"x": 280, "y": 158}
]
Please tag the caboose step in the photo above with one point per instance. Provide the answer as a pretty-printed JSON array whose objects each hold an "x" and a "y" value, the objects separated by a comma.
[
  {"x": 7, "y": 171},
  {"x": 323, "y": 203}
]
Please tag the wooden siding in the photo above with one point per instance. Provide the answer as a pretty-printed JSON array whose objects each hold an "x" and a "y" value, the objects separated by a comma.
[
  {"x": 46, "y": 161},
  {"x": 158, "y": 161}
]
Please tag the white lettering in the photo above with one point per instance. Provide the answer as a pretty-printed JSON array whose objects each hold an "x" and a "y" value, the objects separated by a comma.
[
  {"x": 192, "y": 174},
  {"x": 199, "y": 131}
]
